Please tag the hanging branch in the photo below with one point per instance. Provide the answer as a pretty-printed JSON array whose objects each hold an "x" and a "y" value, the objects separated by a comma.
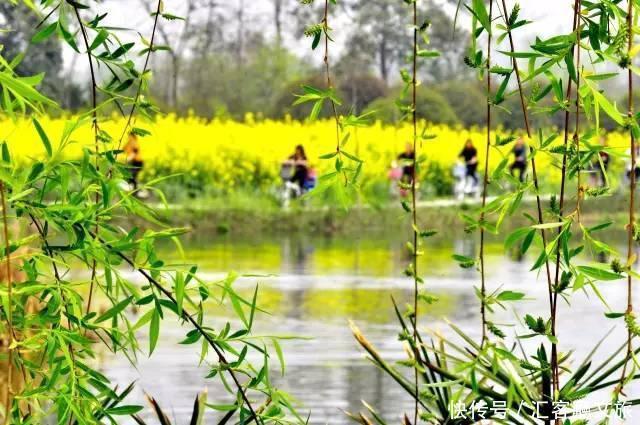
[
  {"x": 145, "y": 68},
  {"x": 7, "y": 255},
  {"x": 414, "y": 122},
  {"x": 189, "y": 318},
  {"x": 327, "y": 68},
  {"x": 94, "y": 119},
  {"x": 576, "y": 134},
  {"x": 485, "y": 184},
  {"x": 554, "y": 310},
  {"x": 632, "y": 197},
  {"x": 221, "y": 358},
  {"x": 534, "y": 172},
  {"x": 9, "y": 313}
]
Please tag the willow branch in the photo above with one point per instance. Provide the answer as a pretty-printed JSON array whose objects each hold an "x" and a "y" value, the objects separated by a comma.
[
  {"x": 7, "y": 255},
  {"x": 485, "y": 185},
  {"x": 554, "y": 345},
  {"x": 632, "y": 197},
  {"x": 94, "y": 115},
  {"x": 414, "y": 122},
  {"x": 327, "y": 69},
  {"x": 144, "y": 71},
  {"x": 576, "y": 134},
  {"x": 189, "y": 318},
  {"x": 534, "y": 171}
]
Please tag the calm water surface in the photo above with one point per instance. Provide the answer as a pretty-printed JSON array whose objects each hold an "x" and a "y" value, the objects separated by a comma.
[{"x": 314, "y": 286}]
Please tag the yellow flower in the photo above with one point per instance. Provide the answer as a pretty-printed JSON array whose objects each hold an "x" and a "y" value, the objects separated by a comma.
[{"x": 232, "y": 152}]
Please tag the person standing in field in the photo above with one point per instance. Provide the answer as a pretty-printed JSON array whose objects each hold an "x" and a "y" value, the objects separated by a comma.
[
  {"x": 134, "y": 159},
  {"x": 520, "y": 159},
  {"x": 301, "y": 166},
  {"x": 470, "y": 156}
]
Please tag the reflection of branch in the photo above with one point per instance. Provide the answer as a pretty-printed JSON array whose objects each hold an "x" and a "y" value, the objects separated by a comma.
[{"x": 188, "y": 317}]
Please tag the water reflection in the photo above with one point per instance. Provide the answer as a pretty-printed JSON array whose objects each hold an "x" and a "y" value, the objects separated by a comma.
[{"x": 321, "y": 283}]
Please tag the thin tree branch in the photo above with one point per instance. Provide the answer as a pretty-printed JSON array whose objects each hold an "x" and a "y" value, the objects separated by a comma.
[
  {"x": 632, "y": 194},
  {"x": 327, "y": 68},
  {"x": 554, "y": 346},
  {"x": 94, "y": 114},
  {"x": 414, "y": 123},
  {"x": 7, "y": 255},
  {"x": 188, "y": 317},
  {"x": 485, "y": 185},
  {"x": 144, "y": 71}
]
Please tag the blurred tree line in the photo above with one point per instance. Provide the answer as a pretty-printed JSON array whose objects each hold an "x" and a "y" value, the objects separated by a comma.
[
  {"x": 226, "y": 59},
  {"x": 20, "y": 26}
]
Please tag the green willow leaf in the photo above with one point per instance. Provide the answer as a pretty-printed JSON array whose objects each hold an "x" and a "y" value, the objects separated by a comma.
[
  {"x": 154, "y": 331},
  {"x": 43, "y": 137},
  {"x": 599, "y": 273}
]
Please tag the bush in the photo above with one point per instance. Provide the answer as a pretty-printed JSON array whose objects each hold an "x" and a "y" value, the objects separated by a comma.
[
  {"x": 437, "y": 180},
  {"x": 432, "y": 106},
  {"x": 467, "y": 101}
]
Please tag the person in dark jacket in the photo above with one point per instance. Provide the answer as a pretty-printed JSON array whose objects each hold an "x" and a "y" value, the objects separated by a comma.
[
  {"x": 134, "y": 159},
  {"x": 520, "y": 159},
  {"x": 301, "y": 166},
  {"x": 406, "y": 162},
  {"x": 470, "y": 156}
]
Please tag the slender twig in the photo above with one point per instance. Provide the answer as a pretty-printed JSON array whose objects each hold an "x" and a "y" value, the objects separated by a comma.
[
  {"x": 7, "y": 255},
  {"x": 144, "y": 71},
  {"x": 327, "y": 69},
  {"x": 576, "y": 134},
  {"x": 632, "y": 198},
  {"x": 534, "y": 171},
  {"x": 94, "y": 83},
  {"x": 414, "y": 120},
  {"x": 485, "y": 185},
  {"x": 94, "y": 118},
  {"x": 49, "y": 253},
  {"x": 189, "y": 318},
  {"x": 554, "y": 346}
]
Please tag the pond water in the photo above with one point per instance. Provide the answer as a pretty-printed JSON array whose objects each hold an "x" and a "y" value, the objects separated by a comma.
[{"x": 313, "y": 286}]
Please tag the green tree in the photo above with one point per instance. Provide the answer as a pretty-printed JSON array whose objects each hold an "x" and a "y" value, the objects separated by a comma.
[
  {"x": 19, "y": 26},
  {"x": 380, "y": 35},
  {"x": 255, "y": 87},
  {"x": 467, "y": 100}
]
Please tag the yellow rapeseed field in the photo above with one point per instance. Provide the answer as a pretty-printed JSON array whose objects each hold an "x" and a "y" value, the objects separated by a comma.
[{"x": 228, "y": 154}]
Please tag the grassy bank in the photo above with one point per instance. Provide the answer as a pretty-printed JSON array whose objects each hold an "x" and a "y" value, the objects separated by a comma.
[{"x": 259, "y": 216}]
